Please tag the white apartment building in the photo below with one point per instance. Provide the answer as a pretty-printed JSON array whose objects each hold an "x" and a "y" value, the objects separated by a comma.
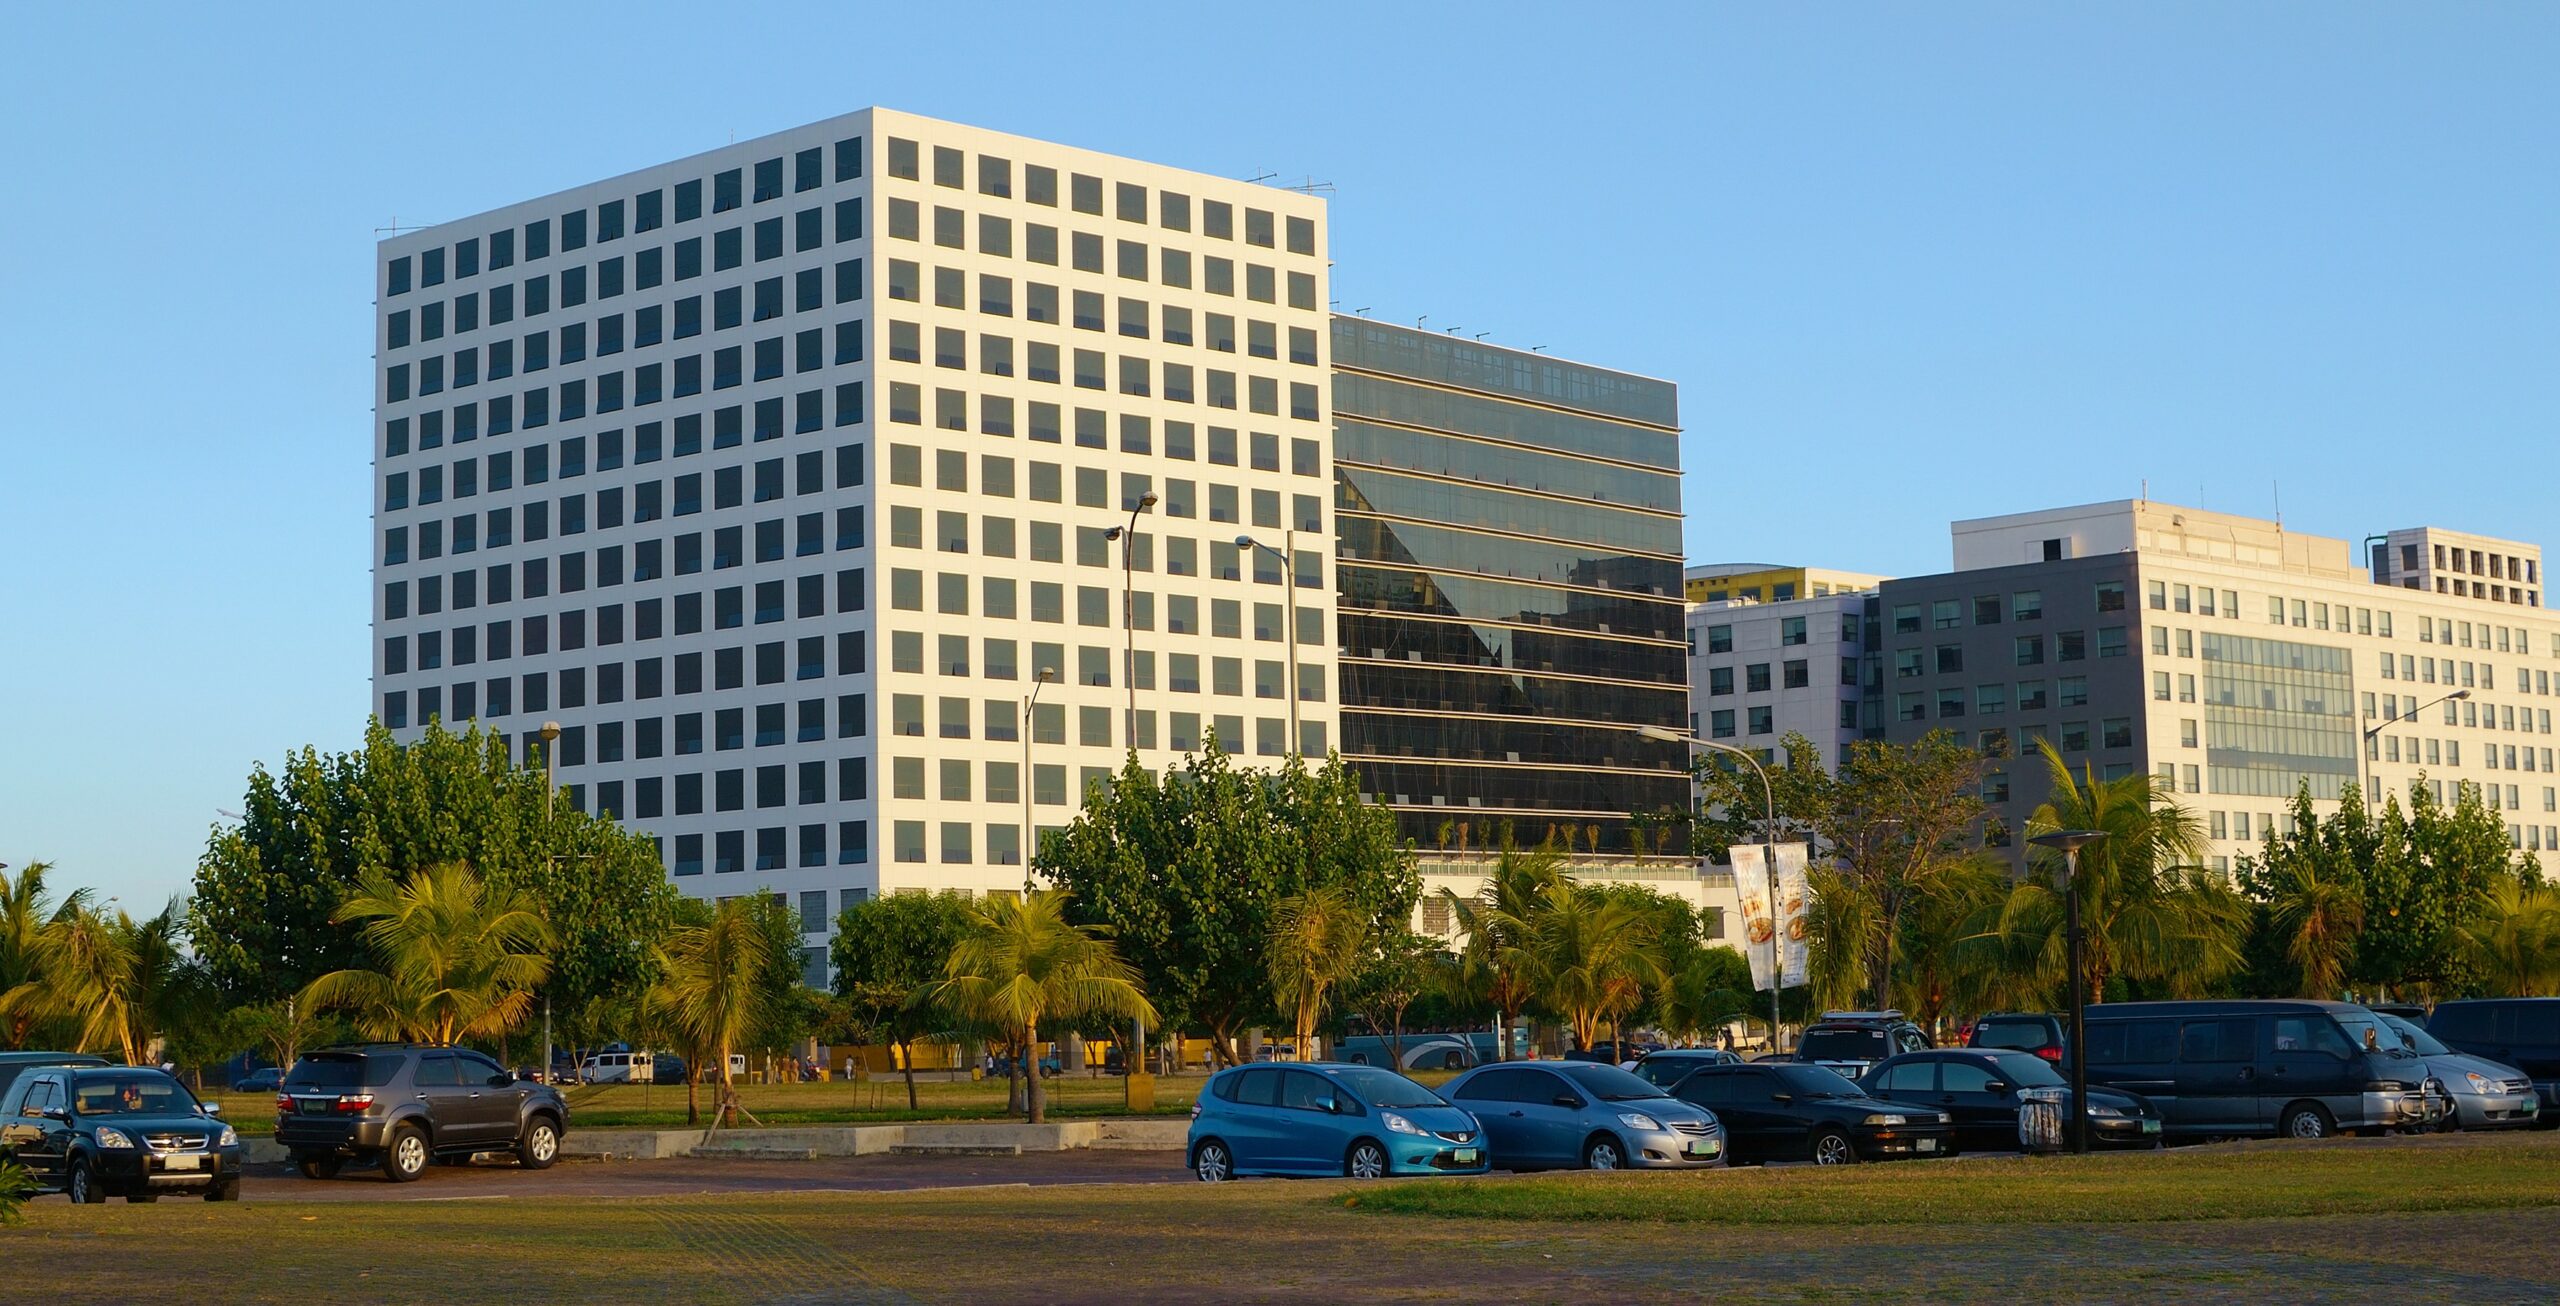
[
  {"x": 778, "y": 474},
  {"x": 1761, "y": 671},
  {"x": 2233, "y": 659}
]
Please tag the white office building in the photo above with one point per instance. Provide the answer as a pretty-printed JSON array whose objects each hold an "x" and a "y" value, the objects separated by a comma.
[
  {"x": 777, "y": 474},
  {"x": 1759, "y": 672}
]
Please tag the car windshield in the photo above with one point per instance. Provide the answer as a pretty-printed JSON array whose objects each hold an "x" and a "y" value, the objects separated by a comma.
[
  {"x": 2009, "y": 1034},
  {"x": 1608, "y": 1083},
  {"x": 1845, "y": 1044},
  {"x": 1815, "y": 1081},
  {"x": 342, "y": 1070},
  {"x": 131, "y": 1094},
  {"x": 1384, "y": 1088},
  {"x": 2365, "y": 1030},
  {"x": 2026, "y": 1071},
  {"x": 1662, "y": 1070},
  {"x": 2414, "y": 1037}
]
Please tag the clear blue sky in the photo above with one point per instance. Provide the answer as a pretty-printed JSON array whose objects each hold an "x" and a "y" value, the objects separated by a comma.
[{"x": 1907, "y": 263}]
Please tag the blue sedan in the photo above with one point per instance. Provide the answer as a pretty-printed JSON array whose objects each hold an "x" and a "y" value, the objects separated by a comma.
[
  {"x": 1551, "y": 1114},
  {"x": 1323, "y": 1118}
]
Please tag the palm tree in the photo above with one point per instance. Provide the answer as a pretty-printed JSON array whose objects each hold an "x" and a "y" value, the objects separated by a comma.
[
  {"x": 1588, "y": 956},
  {"x": 2148, "y": 911},
  {"x": 26, "y": 948},
  {"x": 1019, "y": 962},
  {"x": 2317, "y": 916},
  {"x": 1841, "y": 921},
  {"x": 1496, "y": 922},
  {"x": 1317, "y": 940},
  {"x": 460, "y": 958},
  {"x": 90, "y": 972},
  {"x": 712, "y": 994},
  {"x": 2514, "y": 938}
]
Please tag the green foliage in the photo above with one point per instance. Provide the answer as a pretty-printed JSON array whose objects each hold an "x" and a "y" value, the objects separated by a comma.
[
  {"x": 1398, "y": 969},
  {"x": 1020, "y": 961},
  {"x": 16, "y": 1186},
  {"x": 889, "y": 954},
  {"x": 1589, "y": 955},
  {"x": 1492, "y": 966},
  {"x": 453, "y": 957},
  {"x": 1317, "y": 939},
  {"x": 1187, "y": 870},
  {"x": 715, "y": 987},
  {"x": 2514, "y": 939},
  {"x": 266, "y": 888},
  {"x": 1711, "y": 988}
]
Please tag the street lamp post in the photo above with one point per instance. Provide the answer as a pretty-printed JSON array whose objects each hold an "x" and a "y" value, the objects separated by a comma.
[
  {"x": 2362, "y": 768},
  {"x": 1287, "y": 554},
  {"x": 1030, "y": 717},
  {"x": 1769, "y": 853},
  {"x": 2071, "y": 842},
  {"x": 550, "y": 781},
  {"x": 1128, "y": 537}
]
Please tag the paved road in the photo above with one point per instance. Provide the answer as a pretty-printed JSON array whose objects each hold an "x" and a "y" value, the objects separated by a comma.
[{"x": 494, "y": 1181}]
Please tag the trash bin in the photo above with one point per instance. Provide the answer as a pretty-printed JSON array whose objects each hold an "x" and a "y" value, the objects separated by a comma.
[{"x": 2040, "y": 1124}]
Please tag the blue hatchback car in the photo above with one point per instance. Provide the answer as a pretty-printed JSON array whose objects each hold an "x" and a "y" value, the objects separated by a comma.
[
  {"x": 1561, "y": 1114},
  {"x": 1326, "y": 1118}
]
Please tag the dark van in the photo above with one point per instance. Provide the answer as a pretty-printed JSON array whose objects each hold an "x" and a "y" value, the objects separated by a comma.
[
  {"x": 2520, "y": 1032},
  {"x": 2290, "y": 1069}
]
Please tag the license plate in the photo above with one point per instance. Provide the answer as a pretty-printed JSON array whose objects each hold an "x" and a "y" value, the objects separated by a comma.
[
  {"x": 1464, "y": 1156},
  {"x": 1926, "y": 1144},
  {"x": 2151, "y": 1126},
  {"x": 1705, "y": 1147},
  {"x": 182, "y": 1161}
]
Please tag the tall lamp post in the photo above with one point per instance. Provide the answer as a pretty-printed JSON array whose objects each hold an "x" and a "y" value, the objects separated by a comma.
[
  {"x": 1030, "y": 718},
  {"x": 1128, "y": 537},
  {"x": 550, "y": 781},
  {"x": 2071, "y": 842},
  {"x": 1769, "y": 851},
  {"x": 2362, "y": 767},
  {"x": 1287, "y": 556}
]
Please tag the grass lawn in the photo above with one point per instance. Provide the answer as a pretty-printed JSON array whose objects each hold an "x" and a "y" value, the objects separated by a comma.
[
  {"x": 2239, "y": 1181},
  {"x": 1986, "y": 1236}
]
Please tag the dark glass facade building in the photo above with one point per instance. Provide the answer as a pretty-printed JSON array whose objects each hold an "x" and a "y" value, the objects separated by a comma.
[{"x": 1509, "y": 554}]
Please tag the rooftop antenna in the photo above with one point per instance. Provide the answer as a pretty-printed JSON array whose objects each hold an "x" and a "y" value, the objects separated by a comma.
[
  {"x": 1311, "y": 187},
  {"x": 2279, "y": 489},
  {"x": 1482, "y": 334},
  {"x": 1417, "y": 322},
  {"x": 1537, "y": 349},
  {"x": 1362, "y": 311},
  {"x": 1264, "y": 177},
  {"x": 397, "y": 227},
  {"x": 1451, "y": 331},
  {"x": 2146, "y": 489}
]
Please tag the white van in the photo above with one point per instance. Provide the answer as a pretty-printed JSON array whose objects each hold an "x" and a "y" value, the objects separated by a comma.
[{"x": 618, "y": 1068}]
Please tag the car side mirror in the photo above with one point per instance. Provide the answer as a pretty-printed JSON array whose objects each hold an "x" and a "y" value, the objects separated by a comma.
[
  {"x": 1329, "y": 1105},
  {"x": 1995, "y": 1088},
  {"x": 56, "y": 1113},
  {"x": 210, "y": 1108}
]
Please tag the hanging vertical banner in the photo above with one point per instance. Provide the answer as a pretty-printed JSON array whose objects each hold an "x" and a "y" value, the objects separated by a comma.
[
  {"x": 1766, "y": 919},
  {"x": 1794, "y": 896}
]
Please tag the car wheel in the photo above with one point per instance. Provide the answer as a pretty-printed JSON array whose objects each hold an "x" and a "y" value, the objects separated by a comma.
[
  {"x": 1831, "y": 1147},
  {"x": 82, "y": 1186},
  {"x": 2307, "y": 1120},
  {"x": 1212, "y": 1163},
  {"x": 226, "y": 1191},
  {"x": 406, "y": 1157},
  {"x": 1367, "y": 1161},
  {"x": 318, "y": 1167},
  {"x": 540, "y": 1145},
  {"x": 1603, "y": 1153}
]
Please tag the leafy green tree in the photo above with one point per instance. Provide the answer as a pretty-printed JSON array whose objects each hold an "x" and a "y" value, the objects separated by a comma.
[
  {"x": 2311, "y": 881},
  {"x": 267, "y": 887},
  {"x": 1397, "y": 969},
  {"x": 889, "y": 956},
  {"x": 454, "y": 957},
  {"x": 1187, "y": 869},
  {"x": 1317, "y": 938},
  {"x": 2147, "y": 911},
  {"x": 280, "y": 1030},
  {"x": 1020, "y": 961}
]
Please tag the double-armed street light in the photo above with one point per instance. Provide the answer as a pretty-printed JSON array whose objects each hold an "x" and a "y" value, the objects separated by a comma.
[{"x": 1286, "y": 555}]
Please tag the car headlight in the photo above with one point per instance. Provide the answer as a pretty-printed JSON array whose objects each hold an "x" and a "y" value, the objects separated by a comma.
[
  {"x": 2481, "y": 1083},
  {"x": 1398, "y": 1124},
  {"x": 2104, "y": 1112},
  {"x": 1639, "y": 1120},
  {"x": 110, "y": 1136},
  {"x": 1881, "y": 1119},
  {"x": 230, "y": 1137}
]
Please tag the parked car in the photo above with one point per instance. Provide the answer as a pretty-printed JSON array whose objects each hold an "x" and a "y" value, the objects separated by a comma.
[
  {"x": 265, "y": 1079},
  {"x": 1987, "y": 1089},
  {"x": 2295, "y": 1069},
  {"x": 1665, "y": 1069},
  {"x": 2519, "y": 1032},
  {"x": 14, "y": 1064},
  {"x": 1851, "y": 1042},
  {"x": 2032, "y": 1032},
  {"x": 1580, "y": 1113},
  {"x": 618, "y": 1068},
  {"x": 2479, "y": 1093},
  {"x": 2408, "y": 1011},
  {"x": 1789, "y": 1111},
  {"x": 400, "y": 1107},
  {"x": 1421, "y": 1051},
  {"x": 94, "y": 1132},
  {"x": 1327, "y": 1118},
  {"x": 1610, "y": 1053}
]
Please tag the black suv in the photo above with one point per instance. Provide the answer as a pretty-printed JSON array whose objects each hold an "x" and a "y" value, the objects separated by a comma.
[
  {"x": 2031, "y": 1032},
  {"x": 401, "y": 1106},
  {"x": 1852, "y": 1042},
  {"x": 94, "y": 1132}
]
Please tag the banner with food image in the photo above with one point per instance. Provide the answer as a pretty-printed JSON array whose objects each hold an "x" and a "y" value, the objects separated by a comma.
[{"x": 1764, "y": 920}]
